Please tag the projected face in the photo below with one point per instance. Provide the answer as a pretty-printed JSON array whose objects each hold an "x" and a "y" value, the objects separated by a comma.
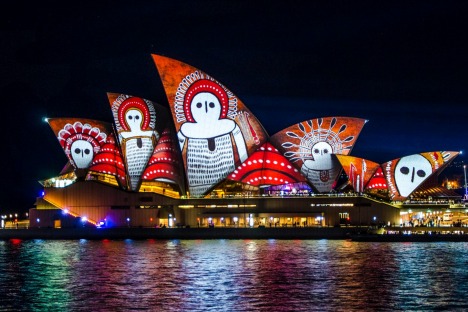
[
  {"x": 82, "y": 153},
  {"x": 321, "y": 151},
  {"x": 134, "y": 119},
  {"x": 410, "y": 172},
  {"x": 205, "y": 107}
]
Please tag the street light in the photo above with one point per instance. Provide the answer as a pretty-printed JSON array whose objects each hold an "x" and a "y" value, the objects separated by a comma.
[{"x": 466, "y": 186}]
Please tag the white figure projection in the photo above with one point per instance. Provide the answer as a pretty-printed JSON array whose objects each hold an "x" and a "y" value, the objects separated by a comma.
[
  {"x": 137, "y": 138},
  {"x": 207, "y": 136},
  {"x": 316, "y": 144},
  {"x": 322, "y": 169},
  {"x": 82, "y": 153},
  {"x": 410, "y": 172},
  {"x": 81, "y": 142}
]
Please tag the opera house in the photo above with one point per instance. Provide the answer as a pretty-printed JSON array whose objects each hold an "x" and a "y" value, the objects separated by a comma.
[{"x": 203, "y": 159}]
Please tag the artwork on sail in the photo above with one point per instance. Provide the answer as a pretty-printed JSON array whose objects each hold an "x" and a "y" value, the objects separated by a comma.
[
  {"x": 81, "y": 139},
  {"x": 138, "y": 123},
  {"x": 266, "y": 167},
  {"x": 309, "y": 145},
  {"x": 165, "y": 165},
  {"x": 109, "y": 161},
  {"x": 215, "y": 130},
  {"x": 406, "y": 174},
  {"x": 377, "y": 182},
  {"x": 358, "y": 170}
]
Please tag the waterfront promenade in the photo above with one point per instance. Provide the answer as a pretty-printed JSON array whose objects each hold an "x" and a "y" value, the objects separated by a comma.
[
  {"x": 183, "y": 233},
  {"x": 363, "y": 233}
]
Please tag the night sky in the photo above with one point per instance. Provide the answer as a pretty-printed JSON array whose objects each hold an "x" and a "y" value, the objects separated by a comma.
[{"x": 403, "y": 65}]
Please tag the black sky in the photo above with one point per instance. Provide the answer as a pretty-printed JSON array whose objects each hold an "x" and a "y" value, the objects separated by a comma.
[{"x": 400, "y": 64}]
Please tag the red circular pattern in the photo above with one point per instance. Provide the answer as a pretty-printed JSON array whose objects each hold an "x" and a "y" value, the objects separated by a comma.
[
  {"x": 205, "y": 85},
  {"x": 135, "y": 103}
]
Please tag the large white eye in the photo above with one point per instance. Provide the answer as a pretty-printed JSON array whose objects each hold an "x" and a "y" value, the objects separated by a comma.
[
  {"x": 205, "y": 107},
  {"x": 410, "y": 172},
  {"x": 134, "y": 119},
  {"x": 82, "y": 153}
]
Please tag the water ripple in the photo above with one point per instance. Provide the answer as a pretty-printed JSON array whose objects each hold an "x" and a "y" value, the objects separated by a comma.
[{"x": 232, "y": 275}]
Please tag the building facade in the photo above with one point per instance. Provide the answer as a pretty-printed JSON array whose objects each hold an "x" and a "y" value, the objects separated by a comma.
[{"x": 205, "y": 160}]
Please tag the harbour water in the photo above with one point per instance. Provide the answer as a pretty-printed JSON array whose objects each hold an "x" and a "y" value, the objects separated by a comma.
[{"x": 232, "y": 275}]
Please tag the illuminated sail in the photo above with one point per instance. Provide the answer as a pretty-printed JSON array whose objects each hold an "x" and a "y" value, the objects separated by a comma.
[
  {"x": 216, "y": 131},
  {"x": 405, "y": 174},
  {"x": 109, "y": 161},
  {"x": 377, "y": 182},
  {"x": 358, "y": 170},
  {"x": 309, "y": 146},
  {"x": 165, "y": 164},
  {"x": 81, "y": 139},
  {"x": 138, "y": 124},
  {"x": 266, "y": 166}
]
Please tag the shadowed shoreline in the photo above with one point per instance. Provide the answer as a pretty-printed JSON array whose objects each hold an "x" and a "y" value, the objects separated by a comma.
[
  {"x": 358, "y": 234},
  {"x": 180, "y": 233}
]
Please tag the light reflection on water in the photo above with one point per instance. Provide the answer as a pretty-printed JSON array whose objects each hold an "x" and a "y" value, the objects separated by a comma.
[{"x": 232, "y": 275}]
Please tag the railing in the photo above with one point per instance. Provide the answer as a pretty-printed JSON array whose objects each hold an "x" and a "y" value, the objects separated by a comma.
[{"x": 73, "y": 214}]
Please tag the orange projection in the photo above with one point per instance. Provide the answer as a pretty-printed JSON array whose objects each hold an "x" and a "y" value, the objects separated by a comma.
[
  {"x": 81, "y": 139},
  {"x": 358, "y": 170},
  {"x": 137, "y": 132},
  {"x": 405, "y": 174},
  {"x": 309, "y": 145},
  {"x": 215, "y": 130}
]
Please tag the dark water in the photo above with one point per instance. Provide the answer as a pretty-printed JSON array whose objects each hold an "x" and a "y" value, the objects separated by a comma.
[{"x": 232, "y": 275}]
